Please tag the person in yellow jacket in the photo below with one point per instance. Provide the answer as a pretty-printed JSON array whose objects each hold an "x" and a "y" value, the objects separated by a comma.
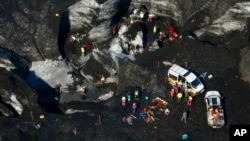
[
  {"x": 83, "y": 51},
  {"x": 156, "y": 29},
  {"x": 141, "y": 14},
  {"x": 103, "y": 79},
  {"x": 179, "y": 96},
  {"x": 136, "y": 94}
]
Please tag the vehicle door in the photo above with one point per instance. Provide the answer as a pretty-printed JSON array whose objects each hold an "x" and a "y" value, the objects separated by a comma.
[
  {"x": 189, "y": 89},
  {"x": 172, "y": 79},
  {"x": 181, "y": 81}
]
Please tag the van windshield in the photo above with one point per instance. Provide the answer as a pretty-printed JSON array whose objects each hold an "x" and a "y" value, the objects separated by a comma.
[{"x": 195, "y": 83}]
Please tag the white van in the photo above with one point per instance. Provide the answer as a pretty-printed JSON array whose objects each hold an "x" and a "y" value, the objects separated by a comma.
[{"x": 185, "y": 79}]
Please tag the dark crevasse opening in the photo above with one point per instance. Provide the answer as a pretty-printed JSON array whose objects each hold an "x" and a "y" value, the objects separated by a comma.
[
  {"x": 122, "y": 6},
  {"x": 64, "y": 29},
  {"x": 48, "y": 97}
]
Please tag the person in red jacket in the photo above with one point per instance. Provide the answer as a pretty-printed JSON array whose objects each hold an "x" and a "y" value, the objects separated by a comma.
[
  {"x": 172, "y": 31},
  {"x": 114, "y": 30},
  {"x": 189, "y": 100},
  {"x": 172, "y": 93}
]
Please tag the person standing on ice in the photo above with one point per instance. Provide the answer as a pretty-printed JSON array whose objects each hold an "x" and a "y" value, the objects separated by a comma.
[
  {"x": 103, "y": 79},
  {"x": 83, "y": 50}
]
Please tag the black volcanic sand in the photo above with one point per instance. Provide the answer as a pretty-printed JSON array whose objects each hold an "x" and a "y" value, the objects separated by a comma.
[{"x": 221, "y": 61}]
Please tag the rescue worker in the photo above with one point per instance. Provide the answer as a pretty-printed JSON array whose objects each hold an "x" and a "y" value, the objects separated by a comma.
[
  {"x": 117, "y": 82},
  {"x": 213, "y": 111},
  {"x": 83, "y": 51},
  {"x": 142, "y": 15},
  {"x": 149, "y": 117},
  {"x": 74, "y": 39},
  {"x": 143, "y": 114},
  {"x": 123, "y": 101},
  {"x": 57, "y": 88},
  {"x": 114, "y": 30},
  {"x": 129, "y": 94},
  {"x": 172, "y": 93},
  {"x": 150, "y": 17},
  {"x": 134, "y": 107},
  {"x": 86, "y": 45},
  {"x": 124, "y": 119},
  {"x": 172, "y": 31},
  {"x": 129, "y": 120},
  {"x": 176, "y": 87},
  {"x": 184, "y": 117},
  {"x": 189, "y": 100},
  {"x": 136, "y": 94},
  {"x": 167, "y": 111},
  {"x": 82, "y": 92},
  {"x": 84, "y": 48},
  {"x": 103, "y": 79},
  {"x": 179, "y": 96},
  {"x": 161, "y": 36},
  {"x": 155, "y": 29}
]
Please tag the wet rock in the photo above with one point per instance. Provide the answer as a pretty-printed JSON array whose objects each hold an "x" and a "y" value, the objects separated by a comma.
[
  {"x": 17, "y": 98},
  {"x": 244, "y": 64},
  {"x": 14, "y": 62}
]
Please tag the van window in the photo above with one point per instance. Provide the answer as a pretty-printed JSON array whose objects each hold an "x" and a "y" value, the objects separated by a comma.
[
  {"x": 172, "y": 77},
  {"x": 195, "y": 83}
]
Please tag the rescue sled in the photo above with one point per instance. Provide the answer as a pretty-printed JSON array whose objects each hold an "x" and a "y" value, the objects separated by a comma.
[
  {"x": 104, "y": 97},
  {"x": 161, "y": 102},
  {"x": 215, "y": 114}
]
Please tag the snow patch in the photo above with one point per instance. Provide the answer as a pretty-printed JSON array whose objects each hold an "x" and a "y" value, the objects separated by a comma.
[
  {"x": 79, "y": 13},
  {"x": 51, "y": 72},
  {"x": 107, "y": 10},
  {"x": 123, "y": 29},
  {"x": 72, "y": 111},
  {"x": 116, "y": 50},
  {"x": 6, "y": 63},
  {"x": 15, "y": 104},
  {"x": 234, "y": 19},
  {"x": 100, "y": 33},
  {"x": 138, "y": 39}
]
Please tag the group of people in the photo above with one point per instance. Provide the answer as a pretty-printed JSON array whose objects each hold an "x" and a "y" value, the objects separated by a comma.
[
  {"x": 175, "y": 91},
  {"x": 214, "y": 114},
  {"x": 77, "y": 38}
]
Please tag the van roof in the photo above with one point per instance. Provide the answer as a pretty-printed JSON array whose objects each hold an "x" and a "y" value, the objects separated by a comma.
[
  {"x": 183, "y": 72},
  {"x": 178, "y": 69}
]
